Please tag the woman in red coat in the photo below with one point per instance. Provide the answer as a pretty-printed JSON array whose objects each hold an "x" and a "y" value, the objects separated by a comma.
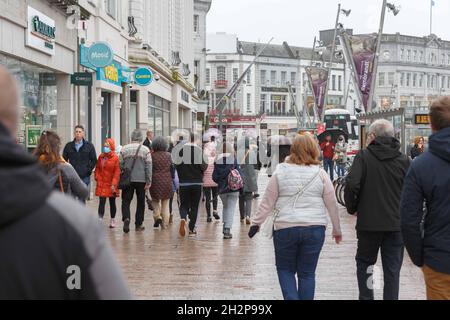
[{"x": 107, "y": 175}]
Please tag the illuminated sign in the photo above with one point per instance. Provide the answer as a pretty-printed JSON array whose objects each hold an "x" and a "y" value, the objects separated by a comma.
[
  {"x": 422, "y": 119},
  {"x": 41, "y": 32}
]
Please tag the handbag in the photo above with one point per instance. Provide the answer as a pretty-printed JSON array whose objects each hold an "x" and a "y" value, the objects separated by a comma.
[
  {"x": 268, "y": 227},
  {"x": 125, "y": 174}
]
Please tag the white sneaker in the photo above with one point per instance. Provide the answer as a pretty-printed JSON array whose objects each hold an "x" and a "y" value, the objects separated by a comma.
[{"x": 112, "y": 225}]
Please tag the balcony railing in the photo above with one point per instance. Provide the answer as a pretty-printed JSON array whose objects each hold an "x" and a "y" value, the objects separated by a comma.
[
  {"x": 221, "y": 84},
  {"x": 279, "y": 113}
]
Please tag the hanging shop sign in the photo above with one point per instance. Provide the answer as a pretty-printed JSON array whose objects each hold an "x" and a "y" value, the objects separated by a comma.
[
  {"x": 100, "y": 55},
  {"x": 422, "y": 119},
  {"x": 41, "y": 32},
  {"x": 111, "y": 74},
  {"x": 83, "y": 79},
  {"x": 143, "y": 77}
]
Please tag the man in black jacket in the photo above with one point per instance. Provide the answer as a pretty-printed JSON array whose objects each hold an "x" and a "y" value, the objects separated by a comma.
[
  {"x": 428, "y": 181},
  {"x": 373, "y": 190},
  {"x": 190, "y": 165},
  {"x": 51, "y": 247},
  {"x": 81, "y": 155}
]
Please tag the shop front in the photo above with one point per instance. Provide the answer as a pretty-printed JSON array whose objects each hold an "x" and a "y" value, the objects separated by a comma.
[{"x": 38, "y": 50}]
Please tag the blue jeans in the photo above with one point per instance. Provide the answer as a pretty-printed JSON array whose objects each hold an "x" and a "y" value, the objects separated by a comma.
[
  {"x": 341, "y": 169},
  {"x": 297, "y": 252},
  {"x": 229, "y": 201},
  {"x": 328, "y": 165}
]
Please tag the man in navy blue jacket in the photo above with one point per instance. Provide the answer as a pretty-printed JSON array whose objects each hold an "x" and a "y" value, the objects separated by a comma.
[{"x": 426, "y": 232}]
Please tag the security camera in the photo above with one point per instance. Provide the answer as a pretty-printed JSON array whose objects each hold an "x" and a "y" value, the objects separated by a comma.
[{"x": 157, "y": 77}]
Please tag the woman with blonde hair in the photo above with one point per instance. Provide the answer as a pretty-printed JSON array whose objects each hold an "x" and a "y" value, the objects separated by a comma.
[
  {"x": 419, "y": 147},
  {"x": 61, "y": 174},
  {"x": 297, "y": 199}
]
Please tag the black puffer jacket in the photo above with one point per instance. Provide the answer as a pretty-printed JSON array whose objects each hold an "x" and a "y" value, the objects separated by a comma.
[
  {"x": 374, "y": 186},
  {"x": 48, "y": 240}
]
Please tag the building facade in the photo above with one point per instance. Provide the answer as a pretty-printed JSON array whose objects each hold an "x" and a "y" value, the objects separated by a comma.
[
  {"x": 412, "y": 71},
  {"x": 41, "y": 52},
  {"x": 53, "y": 51},
  {"x": 271, "y": 88}
]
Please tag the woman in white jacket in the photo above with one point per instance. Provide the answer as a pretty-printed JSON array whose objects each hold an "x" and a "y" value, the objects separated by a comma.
[{"x": 299, "y": 195}]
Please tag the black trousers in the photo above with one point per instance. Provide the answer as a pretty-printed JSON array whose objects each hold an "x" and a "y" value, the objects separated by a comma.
[
  {"x": 127, "y": 197},
  {"x": 392, "y": 251},
  {"x": 190, "y": 197},
  {"x": 245, "y": 204},
  {"x": 212, "y": 197},
  {"x": 112, "y": 207}
]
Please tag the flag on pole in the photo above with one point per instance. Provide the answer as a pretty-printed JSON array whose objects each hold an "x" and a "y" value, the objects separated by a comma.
[
  {"x": 318, "y": 78},
  {"x": 361, "y": 53}
]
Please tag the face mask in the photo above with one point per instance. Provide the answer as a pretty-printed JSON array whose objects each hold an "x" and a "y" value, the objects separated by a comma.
[{"x": 106, "y": 149}]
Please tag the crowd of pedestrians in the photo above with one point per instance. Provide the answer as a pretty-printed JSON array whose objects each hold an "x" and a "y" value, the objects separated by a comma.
[{"x": 398, "y": 203}]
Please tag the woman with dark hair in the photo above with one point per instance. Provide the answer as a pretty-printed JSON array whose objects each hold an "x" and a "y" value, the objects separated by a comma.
[
  {"x": 162, "y": 182},
  {"x": 61, "y": 174}
]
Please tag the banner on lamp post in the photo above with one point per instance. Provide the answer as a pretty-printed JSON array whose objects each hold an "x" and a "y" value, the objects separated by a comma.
[
  {"x": 318, "y": 79},
  {"x": 361, "y": 52}
]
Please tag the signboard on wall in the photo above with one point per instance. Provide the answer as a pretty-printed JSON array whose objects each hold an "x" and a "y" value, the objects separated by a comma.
[
  {"x": 33, "y": 133},
  {"x": 41, "y": 32}
]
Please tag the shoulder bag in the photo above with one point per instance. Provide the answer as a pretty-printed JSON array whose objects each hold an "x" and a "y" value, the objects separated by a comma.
[
  {"x": 125, "y": 174},
  {"x": 267, "y": 229}
]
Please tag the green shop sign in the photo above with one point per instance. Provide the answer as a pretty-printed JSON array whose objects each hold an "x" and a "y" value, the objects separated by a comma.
[
  {"x": 81, "y": 79},
  {"x": 33, "y": 134},
  {"x": 43, "y": 28}
]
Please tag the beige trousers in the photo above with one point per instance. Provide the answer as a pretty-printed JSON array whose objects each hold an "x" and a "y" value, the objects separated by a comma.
[{"x": 161, "y": 211}]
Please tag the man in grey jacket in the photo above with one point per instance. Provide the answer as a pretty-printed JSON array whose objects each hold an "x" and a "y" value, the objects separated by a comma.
[
  {"x": 51, "y": 246},
  {"x": 141, "y": 179}
]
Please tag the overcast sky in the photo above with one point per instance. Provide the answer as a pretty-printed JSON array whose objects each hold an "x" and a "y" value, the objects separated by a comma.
[{"x": 298, "y": 21}]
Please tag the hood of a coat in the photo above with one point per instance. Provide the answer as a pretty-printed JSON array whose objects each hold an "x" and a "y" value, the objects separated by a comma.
[
  {"x": 384, "y": 148},
  {"x": 24, "y": 187},
  {"x": 440, "y": 144}
]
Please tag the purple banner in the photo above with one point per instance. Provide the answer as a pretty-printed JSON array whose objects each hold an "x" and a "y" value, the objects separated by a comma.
[
  {"x": 318, "y": 78},
  {"x": 362, "y": 49}
]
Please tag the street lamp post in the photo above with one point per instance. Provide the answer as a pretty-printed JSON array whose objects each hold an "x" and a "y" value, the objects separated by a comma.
[
  {"x": 333, "y": 50},
  {"x": 395, "y": 10}
]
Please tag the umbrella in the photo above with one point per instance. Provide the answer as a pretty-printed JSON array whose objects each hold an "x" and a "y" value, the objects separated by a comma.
[
  {"x": 334, "y": 133},
  {"x": 212, "y": 133}
]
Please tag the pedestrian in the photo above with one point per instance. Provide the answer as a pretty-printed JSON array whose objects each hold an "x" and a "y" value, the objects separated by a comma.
[
  {"x": 297, "y": 199},
  {"x": 225, "y": 168},
  {"x": 190, "y": 167},
  {"x": 46, "y": 238},
  {"x": 138, "y": 159},
  {"x": 258, "y": 165},
  {"x": 107, "y": 176},
  {"x": 419, "y": 148},
  {"x": 210, "y": 188},
  {"x": 149, "y": 140},
  {"x": 61, "y": 175},
  {"x": 163, "y": 175},
  {"x": 373, "y": 189},
  {"x": 426, "y": 229},
  {"x": 328, "y": 148},
  {"x": 250, "y": 182},
  {"x": 81, "y": 154},
  {"x": 278, "y": 151},
  {"x": 340, "y": 156},
  {"x": 176, "y": 184}
]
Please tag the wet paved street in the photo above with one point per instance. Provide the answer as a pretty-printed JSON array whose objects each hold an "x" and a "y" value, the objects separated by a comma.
[{"x": 161, "y": 265}]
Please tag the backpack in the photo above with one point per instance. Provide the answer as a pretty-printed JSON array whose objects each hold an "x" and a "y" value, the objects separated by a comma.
[{"x": 235, "y": 181}]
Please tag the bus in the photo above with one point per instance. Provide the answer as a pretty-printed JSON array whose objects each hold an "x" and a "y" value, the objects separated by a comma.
[{"x": 342, "y": 120}]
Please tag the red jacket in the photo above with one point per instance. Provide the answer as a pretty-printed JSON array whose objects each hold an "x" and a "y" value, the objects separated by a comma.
[
  {"x": 107, "y": 173},
  {"x": 328, "y": 151}
]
